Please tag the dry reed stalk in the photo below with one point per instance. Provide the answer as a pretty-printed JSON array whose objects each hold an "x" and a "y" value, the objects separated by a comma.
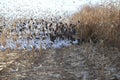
[
  {"x": 99, "y": 21},
  {"x": 18, "y": 45},
  {"x": 15, "y": 37},
  {"x": 3, "y": 39},
  {"x": 40, "y": 51},
  {"x": 33, "y": 52},
  {"x": 7, "y": 51}
]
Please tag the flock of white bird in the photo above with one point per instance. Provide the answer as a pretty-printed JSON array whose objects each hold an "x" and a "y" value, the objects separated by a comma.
[{"x": 37, "y": 33}]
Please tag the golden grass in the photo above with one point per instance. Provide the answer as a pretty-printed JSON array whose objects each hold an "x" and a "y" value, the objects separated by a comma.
[{"x": 99, "y": 22}]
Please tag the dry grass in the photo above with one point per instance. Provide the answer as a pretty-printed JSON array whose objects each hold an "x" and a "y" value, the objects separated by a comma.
[
  {"x": 17, "y": 60},
  {"x": 99, "y": 22},
  {"x": 8, "y": 57},
  {"x": 101, "y": 60}
]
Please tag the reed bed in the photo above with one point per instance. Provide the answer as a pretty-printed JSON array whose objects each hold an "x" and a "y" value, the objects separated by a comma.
[{"x": 99, "y": 24}]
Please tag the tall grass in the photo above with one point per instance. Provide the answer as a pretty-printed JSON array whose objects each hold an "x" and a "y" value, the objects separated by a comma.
[{"x": 100, "y": 23}]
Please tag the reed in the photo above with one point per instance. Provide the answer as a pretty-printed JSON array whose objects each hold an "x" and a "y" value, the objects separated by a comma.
[{"x": 100, "y": 23}]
